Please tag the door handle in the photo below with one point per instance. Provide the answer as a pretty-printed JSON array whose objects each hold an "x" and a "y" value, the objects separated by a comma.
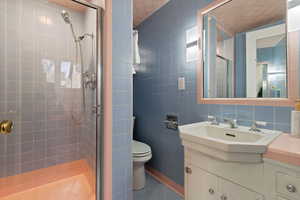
[{"x": 6, "y": 127}]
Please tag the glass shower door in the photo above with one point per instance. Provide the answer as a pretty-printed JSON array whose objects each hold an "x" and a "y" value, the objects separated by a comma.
[{"x": 49, "y": 60}]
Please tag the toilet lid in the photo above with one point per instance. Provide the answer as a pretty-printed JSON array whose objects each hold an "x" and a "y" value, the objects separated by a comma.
[{"x": 139, "y": 148}]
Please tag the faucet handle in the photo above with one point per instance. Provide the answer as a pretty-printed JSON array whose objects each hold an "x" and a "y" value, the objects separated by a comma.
[
  {"x": 260, "y": 123},
  {"x": 212, "y": 119},
  {"x": 257, "y": 123},
  {"x": 231, "y": 122}
]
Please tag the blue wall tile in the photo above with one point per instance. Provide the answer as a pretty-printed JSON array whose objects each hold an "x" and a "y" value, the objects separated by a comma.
[
  {"x": 264, "y": 113},
  {"x": 245, "y": 113},
  {"x": 162, "y": 43},
  {"x": 283, "y": 115}
]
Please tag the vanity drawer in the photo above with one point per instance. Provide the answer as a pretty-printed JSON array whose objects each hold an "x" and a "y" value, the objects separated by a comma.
[{"x": 288, "y": 185}]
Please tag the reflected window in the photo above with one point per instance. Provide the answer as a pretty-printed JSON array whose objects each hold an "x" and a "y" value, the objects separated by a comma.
[
  {"x": 49, "y": 69},
  {"x": 76, "y": 76},
  {"x": 191, "y": 44},
  {"x": 293, "y": 15},
  {"x": 66, "y": 74}
]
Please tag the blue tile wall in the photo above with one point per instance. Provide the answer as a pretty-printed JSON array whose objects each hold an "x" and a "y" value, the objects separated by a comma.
[
  {"x": 122, "y": 99},
  {"x": 162, "y": 42}
]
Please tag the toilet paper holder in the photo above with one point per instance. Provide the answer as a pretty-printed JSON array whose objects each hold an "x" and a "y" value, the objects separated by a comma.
[{"x": 171, "y": 122}]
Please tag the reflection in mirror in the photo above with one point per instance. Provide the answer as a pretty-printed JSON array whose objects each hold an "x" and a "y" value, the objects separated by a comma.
[{"x": 245, "y": 53}]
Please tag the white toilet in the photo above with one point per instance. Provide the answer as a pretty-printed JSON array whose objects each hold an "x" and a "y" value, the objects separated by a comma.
[{"x": 141, "y": 153}]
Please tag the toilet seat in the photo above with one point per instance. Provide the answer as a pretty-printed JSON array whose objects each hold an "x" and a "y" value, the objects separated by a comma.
[{"x": 140, "y": 149}]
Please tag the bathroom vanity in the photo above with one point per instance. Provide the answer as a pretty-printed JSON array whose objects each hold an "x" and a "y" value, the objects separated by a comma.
[
  {"x": 237, "y": 65},
  {"x": 209, "y": 176}
]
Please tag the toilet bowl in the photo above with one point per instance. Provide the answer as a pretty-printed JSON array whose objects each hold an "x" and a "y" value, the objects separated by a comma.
[{"x": 141, "y": 153}]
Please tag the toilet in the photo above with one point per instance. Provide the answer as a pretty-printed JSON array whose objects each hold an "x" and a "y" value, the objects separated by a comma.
[{"x": 141, "y": 153}]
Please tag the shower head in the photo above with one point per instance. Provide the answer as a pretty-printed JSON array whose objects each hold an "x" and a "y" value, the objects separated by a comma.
[{"x": 66, "y": 16}]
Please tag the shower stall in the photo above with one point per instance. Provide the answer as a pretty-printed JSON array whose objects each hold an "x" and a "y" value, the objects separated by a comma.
[{"x": 51, "y": 91}]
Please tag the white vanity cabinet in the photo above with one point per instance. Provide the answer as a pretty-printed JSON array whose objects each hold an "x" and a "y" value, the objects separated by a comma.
[
  {"x": 203, "y": 185},
  {"x": 200, "y": 184},
  {"x": 208, "y": 178},
  {"x": 282, "y": 181},
  {"x": 232, "y": 164}
]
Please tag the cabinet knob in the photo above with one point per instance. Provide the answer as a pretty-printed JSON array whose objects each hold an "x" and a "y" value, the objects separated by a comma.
[
  {"x": 211, "y": 191},
  {"x": 291, "y": 188},
  {"x": 223, "y": 197},
  {"x": 188, "y": 170}
]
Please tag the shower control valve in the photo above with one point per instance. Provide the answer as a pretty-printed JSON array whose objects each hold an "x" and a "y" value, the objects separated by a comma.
[{"x": 89, "y": 80}]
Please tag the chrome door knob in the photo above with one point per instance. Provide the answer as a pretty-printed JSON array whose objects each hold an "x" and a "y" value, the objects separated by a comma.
[{"x": 291, "y": 188}]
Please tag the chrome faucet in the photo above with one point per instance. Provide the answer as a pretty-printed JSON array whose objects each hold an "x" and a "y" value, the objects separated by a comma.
[
  {"x": 213, "y": 120},
  {"x": 232, "y": 122},
  {"x": 254, "y": 127}
]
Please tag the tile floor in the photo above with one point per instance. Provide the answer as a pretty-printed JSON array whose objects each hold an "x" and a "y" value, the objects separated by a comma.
[{"x": 154, "y": 190}]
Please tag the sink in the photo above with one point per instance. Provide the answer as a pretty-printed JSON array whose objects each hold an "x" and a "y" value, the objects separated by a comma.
[{"x": 222, "y": 142}]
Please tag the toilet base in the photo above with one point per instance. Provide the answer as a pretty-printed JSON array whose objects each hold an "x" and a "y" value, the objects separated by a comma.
[{"x": 139, "y": 178}]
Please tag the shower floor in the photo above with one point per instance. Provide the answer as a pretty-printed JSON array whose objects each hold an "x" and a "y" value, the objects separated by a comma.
[{"x": 66, "y": 181}]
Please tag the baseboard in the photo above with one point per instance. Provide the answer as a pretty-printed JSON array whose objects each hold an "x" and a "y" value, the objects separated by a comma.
[{"x": 166, "y": 181}]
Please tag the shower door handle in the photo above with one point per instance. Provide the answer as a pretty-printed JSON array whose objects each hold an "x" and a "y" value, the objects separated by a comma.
[{"x": 6, "y": 127}]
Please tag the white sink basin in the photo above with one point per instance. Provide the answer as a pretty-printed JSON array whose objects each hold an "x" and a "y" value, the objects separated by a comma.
[{"x": 222, "y": 142}]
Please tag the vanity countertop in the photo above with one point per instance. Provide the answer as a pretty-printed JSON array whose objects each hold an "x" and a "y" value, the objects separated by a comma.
[{"x": 284, "y": 149}]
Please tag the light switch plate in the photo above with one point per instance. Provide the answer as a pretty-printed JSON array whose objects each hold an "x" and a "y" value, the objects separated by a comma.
[{"x": 181, "y": 83}]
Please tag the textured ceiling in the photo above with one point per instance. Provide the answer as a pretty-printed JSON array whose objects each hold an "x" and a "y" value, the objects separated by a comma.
[
  {"x": 142, "y": 9},
  {"x": 258, "y": 13}
]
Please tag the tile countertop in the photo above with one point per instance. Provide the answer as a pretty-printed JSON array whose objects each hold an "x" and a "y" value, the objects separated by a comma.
[{"x": 284, "y": 149}]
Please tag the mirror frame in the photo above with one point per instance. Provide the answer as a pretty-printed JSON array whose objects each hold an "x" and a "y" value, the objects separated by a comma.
[{"x": 292, "y": 69}]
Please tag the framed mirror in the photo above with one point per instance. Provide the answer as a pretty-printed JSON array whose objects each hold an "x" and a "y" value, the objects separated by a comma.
[{"x": 250, "y": 56}]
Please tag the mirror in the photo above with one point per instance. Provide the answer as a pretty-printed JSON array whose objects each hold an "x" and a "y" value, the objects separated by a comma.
[{"x": 244, "y": 54}]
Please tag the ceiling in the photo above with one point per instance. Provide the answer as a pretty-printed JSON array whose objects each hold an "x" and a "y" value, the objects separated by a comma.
[
  {"x": 246, "y": 15},
  {"x": 69, "y": 4},
  {"x": 142, "y": 9}
]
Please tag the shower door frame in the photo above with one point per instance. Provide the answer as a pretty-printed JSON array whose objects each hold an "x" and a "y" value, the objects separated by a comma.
[{"x": 99, "y": 107}]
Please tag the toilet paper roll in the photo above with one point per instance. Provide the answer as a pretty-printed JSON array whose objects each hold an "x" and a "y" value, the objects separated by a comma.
[{"x": 295, "y": 126}]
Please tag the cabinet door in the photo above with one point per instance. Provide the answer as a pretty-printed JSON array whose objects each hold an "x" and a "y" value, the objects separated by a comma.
[
  {"x": 231, "y": 191},
  {"x": 201, "y": 185}
]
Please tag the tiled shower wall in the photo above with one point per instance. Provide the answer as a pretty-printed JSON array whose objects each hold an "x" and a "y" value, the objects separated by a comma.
[
  {"x": 34, "y": 40},
  {"x": 162, "y": 43}
]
